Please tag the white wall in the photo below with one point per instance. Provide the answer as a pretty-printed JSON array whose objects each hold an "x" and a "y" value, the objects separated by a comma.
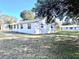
[
  {"x": 25, "y": 29},
  {"x": 36, "y": 28}
]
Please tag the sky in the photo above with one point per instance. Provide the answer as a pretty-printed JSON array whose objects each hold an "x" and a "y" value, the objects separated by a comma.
[{"x": 14, "y": 7}]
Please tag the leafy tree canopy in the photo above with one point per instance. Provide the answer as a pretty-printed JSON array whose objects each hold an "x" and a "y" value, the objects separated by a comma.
[
  {"x": 7, "y": 19},
  {"x": 57, "y": 8},
  {"x": 27, "y": 15}
]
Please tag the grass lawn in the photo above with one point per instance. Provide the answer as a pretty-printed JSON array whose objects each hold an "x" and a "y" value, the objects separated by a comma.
[
  {"x": 64, "y": 33},
  {"x": 53, "y": 45},
  {"x": 68, "y": 33},
  {"x": 67, "y": 48},
  {"x": 58, "y": 34}
]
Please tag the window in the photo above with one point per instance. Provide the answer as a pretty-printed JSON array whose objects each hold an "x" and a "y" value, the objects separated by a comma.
[
  {"x": 21, "y": 26},
  {"x": 41, "y": 25},
  {"x": 29, "y": 26},
  {"x": 71, "y": 27},
  {"x": 51, "y": 26},
  {"x": 10, "y": 26},
  {"x": 14, "y": 26},
  {"x": 66, "y": 27},
  {"x": 75, "y": 28}
]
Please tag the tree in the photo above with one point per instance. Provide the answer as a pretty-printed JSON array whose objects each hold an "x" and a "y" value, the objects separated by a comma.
[
  {"x": 7, "y": 19},
  {"x": 27, "y": 15},
  {"x": 57, "y": 8}
]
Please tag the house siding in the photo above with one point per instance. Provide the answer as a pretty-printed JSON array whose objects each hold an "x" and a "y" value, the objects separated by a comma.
[{"x": 35, "y": 28}]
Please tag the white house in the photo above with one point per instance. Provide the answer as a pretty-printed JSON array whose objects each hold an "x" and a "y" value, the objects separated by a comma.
[
  {"x": 38, "y": 26},
  {"x": 33, "y": 27}
]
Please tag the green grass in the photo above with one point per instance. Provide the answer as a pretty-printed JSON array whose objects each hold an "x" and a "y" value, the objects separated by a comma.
[
  {"x": 64, "y": 33},
  {"x": 64, "y": 45},
  {"x": 67, "y": 48},
  {"x": 68, "y": 33}
]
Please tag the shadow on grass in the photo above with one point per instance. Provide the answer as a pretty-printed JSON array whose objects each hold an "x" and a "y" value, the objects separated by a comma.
[
  {"x": 67, "y": 49},
  {"x": 50, "y": 48}
]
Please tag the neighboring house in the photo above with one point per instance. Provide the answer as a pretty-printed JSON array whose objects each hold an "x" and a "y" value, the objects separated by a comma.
[
  {"x": 2, "y": 26},
  {"x": 69, "y": 28},
  {"x": 5, "y": 21}
]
